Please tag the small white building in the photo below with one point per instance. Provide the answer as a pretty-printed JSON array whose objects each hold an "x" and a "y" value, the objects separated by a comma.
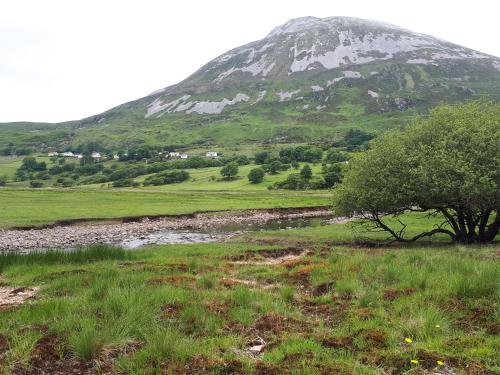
[
  {"x": 211, "y": 154},
  {"x": 68, "y": 154},
  {"x": 116, "y": 157},
  {"x": 50, "y": 154},
  {"x": 183, "y": 156},
  {"x": 78, "y": 156},
  {"x": 174, "y": 155},
  {"x": 96, "y": 155}
]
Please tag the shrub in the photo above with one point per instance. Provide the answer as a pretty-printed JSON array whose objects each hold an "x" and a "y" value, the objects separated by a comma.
[
  {"x": 36, "y": 184},
  {"x": 256, "y": 176},
  {"x": 336, "y": 156},
  {"x": 125, "y": 183},
  {"x": 229, "y": 171},
  {"x": 306, "y": 172},
  {"x": 3, "y": 180},
  {"x": 165, "y": 178},
  {"x": 262, "y": 157}
]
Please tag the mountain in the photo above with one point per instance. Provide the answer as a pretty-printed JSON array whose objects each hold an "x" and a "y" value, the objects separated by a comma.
[{"x": 309, "y": 79}]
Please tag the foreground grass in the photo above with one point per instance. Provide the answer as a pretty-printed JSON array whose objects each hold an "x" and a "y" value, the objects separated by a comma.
[
  {"x": 37, "y": 207},
  {"x": 199, "y": 308}
]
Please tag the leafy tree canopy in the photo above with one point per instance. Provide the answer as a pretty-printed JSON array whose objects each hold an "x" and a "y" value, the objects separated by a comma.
[
  {"x": 446, "y": 164},
  {"x": 256, "y": 175}
]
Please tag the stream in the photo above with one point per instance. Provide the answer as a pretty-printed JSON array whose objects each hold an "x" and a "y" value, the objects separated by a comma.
[{"x": 164, "y": 237}]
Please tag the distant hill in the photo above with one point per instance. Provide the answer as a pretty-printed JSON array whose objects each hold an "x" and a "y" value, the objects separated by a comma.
[{"x": 310, "y": 79}]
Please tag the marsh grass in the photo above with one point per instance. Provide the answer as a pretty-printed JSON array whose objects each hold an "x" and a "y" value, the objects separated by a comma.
[
  {"x": 90, "y": 254},
  {"x": 443, "y": 297}
]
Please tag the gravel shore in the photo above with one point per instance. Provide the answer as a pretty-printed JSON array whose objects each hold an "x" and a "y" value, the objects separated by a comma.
[{"x": 119, "y": 232}]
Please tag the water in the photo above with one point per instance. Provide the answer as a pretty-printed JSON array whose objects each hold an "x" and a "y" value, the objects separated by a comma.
[{"x": 168, "y": 237}]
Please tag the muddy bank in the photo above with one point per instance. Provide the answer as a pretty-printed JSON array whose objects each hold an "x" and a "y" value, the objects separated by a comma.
[{"x": 71, "y": 236}]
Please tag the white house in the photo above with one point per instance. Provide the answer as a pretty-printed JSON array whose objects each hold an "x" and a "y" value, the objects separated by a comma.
[
  {"x": 53, "y": 154},
  {"x": 78, "y": 156},
  {"x": 183, "y": 156},
  {"x": 211, "y": 154},
  {"x": 68, "y": 154},
  {"x": 96, "y": 155},
  {"x": 174, "y": 155}
]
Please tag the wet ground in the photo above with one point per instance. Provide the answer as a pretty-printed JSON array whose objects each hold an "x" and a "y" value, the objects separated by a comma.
[
  {"x": 197, "y": 228},
  {"x": 221, "y": 233}
]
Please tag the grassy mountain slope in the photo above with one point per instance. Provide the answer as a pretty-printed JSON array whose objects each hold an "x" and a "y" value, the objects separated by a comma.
[{"x": 308, "y": 80}]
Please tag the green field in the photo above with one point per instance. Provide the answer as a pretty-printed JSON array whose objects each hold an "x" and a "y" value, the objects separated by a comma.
[
  {"x": 209, "y": 179},
  {"x": 198, "y": 309},
  {"x": 9, "y": 165},
  {"x": 20, "y": 207}
]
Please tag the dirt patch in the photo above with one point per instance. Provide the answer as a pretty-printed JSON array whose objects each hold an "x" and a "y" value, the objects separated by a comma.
[
  {"x": 364, "y": 313},
  {"x": 269, "y": 257},
  {"x": 50, "y": 355},
  {"x": 229, "y": 282},
  {"x": 332, "y": 314},
  {"x": 172, "y": 279},
  {"x": 371, "y": 338},
  {"x": 294, "y": 363},
  {"x": 301, "y": 277},
  {"x": 272, "y": 325},
  {"x": 392, "y": 294},
  {"x": 427, "y": 361},
  {"x": 202, "y": 364},
  {"x": 479, "y": 317},
  {"x": 296, "y": 263},
  {"x": 218, "y": 308},
  {"x": 171, "y": 310},
  {"x": 11, "y": 297},
  {"x": 323, "y": 289}
]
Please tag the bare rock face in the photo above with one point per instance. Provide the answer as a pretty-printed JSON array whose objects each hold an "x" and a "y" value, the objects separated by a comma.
[
  {"x": 310, "y": 45},
  {"x": 318, "y": 72}
]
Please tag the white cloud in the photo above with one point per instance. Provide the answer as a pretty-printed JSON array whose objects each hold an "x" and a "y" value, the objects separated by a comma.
[{"x": 63, "y": 60}]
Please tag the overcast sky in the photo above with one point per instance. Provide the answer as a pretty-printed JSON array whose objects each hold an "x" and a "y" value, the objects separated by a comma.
[{"x": 64, "y": 60}]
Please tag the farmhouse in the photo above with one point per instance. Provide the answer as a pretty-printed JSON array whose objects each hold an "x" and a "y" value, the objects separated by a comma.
[
  {"x": 96, "y": 155},
  {"x": 174, "y": 155},
  {"x": 53, "y": 154},
  {"x": 211, "y": 154},
  {"x": 183, "y": 156},
  {"x": 68, "y": 154}
]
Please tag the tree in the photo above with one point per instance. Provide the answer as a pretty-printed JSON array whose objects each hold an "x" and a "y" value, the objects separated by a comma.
[
  {"x": 262, "y": 157},
  {"x": 332, "y": 174},
  {"x": 446, "y": 165},
  {"x": 306, "y": 172},
  {"x": 355, "y": 139},
  {"x": 3, "y": 180},
  {"x": 335, "y": 156},
  {"x": 229, "y": 171},
  {"x": 275, "y": 167},
  {"x": 256, "y": 176},
  {"x": 30, "y": 164}
]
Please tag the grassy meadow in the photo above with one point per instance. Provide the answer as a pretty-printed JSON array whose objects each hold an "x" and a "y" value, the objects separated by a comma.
[
  {"x": 316, "y": 308},
  {"x": 23, "y": 207}
]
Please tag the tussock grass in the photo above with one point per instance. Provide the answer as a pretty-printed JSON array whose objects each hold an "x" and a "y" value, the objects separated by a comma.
[
  {"x": 52, "y": 257},
  {"x": 340, "y": 309}
]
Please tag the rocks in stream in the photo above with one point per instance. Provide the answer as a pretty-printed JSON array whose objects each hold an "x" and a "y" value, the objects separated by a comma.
[{"x": 145, "y": 230}]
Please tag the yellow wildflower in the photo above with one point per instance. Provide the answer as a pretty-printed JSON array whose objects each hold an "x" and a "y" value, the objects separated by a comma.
[
  {"x": 414, "y": 361},
  {"x": 440, "y": 363},
  {"x": 438, "y": 326},
  {"x": 408, "y": 340}
]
